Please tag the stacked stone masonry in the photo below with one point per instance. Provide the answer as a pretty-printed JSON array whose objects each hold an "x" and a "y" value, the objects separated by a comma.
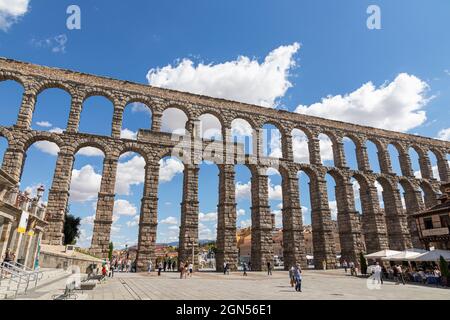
[{"x": 380, "y": 229}]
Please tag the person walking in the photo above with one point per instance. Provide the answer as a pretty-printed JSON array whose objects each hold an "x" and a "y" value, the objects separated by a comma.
[
  {"x": 249, "y": 266},
  {"x": 160, "y": 267},
  {"x": 191, "y": 270},
  {"x": 186, "y": 270},
  {"x": 378, "y": 276},
  {"x": 228, "y": 269},
  {"x": 298, "y": 278},
  {"x": 345, "y": 265},
  {"x": 150, "y": 267},
  {"x": 169, "y": 265},
  {"x": 224, "y": 268},
  {"x": 244, "y": 266},
  {"x": 400, "y": 274},
  {"x": 269, "y": 268},
  {"x": 291, "y": 276},
  {"x": 174, "y": 265},
  {"x": 181, "y": 270},
  {"x": 165, "y": 265}
]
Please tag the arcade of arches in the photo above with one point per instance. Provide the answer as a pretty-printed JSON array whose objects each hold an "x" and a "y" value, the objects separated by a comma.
[{"x": 374, "y": 228}]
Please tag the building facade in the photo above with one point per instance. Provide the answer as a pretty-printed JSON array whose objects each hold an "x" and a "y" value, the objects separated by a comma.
[
  {"x": 22, "y": 223},
  {"x": 434, "y": 223}
]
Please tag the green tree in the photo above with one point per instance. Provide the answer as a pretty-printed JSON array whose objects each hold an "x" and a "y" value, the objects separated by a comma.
[
  {"x": 71, "y": 229},
  {"x": 363, "y": 263},
  {"x": 110, "y": 253}
]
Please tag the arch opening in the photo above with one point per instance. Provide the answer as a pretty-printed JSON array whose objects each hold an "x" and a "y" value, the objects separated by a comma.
[
  {"x": 96, "y": 108},
  {"x": 136, "y": 116},
  {"x": 52, "y": 110},
  {"x": 11, "y": 93},
  {"x": 300, "y": 146}
]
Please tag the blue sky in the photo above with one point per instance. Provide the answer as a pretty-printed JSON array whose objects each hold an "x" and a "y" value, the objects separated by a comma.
[{"x": 297, "y": 53}]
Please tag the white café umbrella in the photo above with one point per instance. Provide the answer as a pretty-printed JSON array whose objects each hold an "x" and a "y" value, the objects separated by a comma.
[
  {"x": 381, "y": 254},
  {"x": 434, "y": 255},
  {"x": 407, "y": 255}
]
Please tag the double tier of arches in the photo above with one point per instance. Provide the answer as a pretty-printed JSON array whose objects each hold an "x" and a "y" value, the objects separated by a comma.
[{"x": 313, "y": 149}]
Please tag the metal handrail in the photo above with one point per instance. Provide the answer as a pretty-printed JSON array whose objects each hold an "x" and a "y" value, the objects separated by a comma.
[{"x": 14, "y": 273}]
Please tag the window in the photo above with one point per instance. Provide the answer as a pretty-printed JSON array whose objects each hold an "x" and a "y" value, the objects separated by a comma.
[
  {"x": 428, "y": 223},
  {"x": 445, "y": 221}
]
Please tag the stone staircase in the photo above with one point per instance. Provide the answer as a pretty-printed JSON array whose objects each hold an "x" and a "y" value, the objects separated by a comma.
[{"x": 11, "y": 289}]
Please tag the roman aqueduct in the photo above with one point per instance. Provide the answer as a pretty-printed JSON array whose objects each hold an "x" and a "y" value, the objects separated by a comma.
[{"x": 391, "y": 227}]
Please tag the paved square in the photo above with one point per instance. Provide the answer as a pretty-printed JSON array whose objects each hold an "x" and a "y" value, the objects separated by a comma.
[{"x": 329, "y": 285}]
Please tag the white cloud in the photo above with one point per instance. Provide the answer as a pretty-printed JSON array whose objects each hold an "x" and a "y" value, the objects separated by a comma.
[
  {"x": 275, "y": 191},
  {"x": 133, "y": 222},
  {"x": 241, "y": 212},
  {"x": 444, "y": 134},
  {"x": 278, "y": 218},
  {"x": 11, "y": 11},
  {"x": 57, "y": 44},
  {"x": 394, "y": 106},
  {"x": 47, "y": 147},
  {"x": 205, "y": 233},
  {"x": 243, "y": 190},
  {"x": 129, "y": 173},
  {"x": 44, "y": 124},
  {"x": 140, "y": 107},
  {"x": 89, "y": 220},
  {"x": 243, "y": 79},
  {"x": 169, "y": 220},
  {"x": 90, "y": 152},
  {"x": 85, "y": 184},
  {"x": 300, "y": 146},
  {"x": 246, "y": 223},
  {"x": 128, "y": 134},
  {"x": 174, "y": 121},
  {"x": 240, "y": 127},
  {"x": 333, "y": 208},
  {"x": 207, "y": 217},
  {"x": 124, "y": 208},
  {"x": 169, "y": 168}
]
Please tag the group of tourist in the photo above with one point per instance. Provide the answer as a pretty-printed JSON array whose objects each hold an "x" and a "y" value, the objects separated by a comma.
[
  {"x": 350, "y": 265},
  {"x": 122, "y": 265},
  {"x": 186, "y": 269},
  {"x": 295, "y": 276}
]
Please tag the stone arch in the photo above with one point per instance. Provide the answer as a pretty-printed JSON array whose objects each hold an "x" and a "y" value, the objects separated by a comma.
[
  {"x": 430, "y": 195},
  {"x": 211, "y": 127},
  {"x": 323, "y": 239},
  {"x": 394, "y": 158},
  {"x": 184, "y": 107},
  {"x": 97, "y": 144},
  {"x": 396, "y": 222},
  {"x": 138, "y": 106},
  {"x": 300, "y": 145},
  {"x": 45, "y": 85},
  {"x": 104, "y": 103},
  {"x": 442, "y": 163},
  {"x": 272, "y": 147},
  {"x": 351, "y": 148},
  {"x": 13, "y": 108},
  {"x": 374, "y": 160},
  {"x": 180, "y": 127},
  {"x": 31, "y": 139},
  {"x": 55, "y": 89},
  {"x": 327, "y": 142},
  {"x": 5, "y": 76},
  {"x": 98, "y": 92},
  {"x": 244, "y": 135}
]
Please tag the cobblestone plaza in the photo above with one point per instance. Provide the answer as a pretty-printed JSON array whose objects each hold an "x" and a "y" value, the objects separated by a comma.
[{"x": 317, "y": 285}]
